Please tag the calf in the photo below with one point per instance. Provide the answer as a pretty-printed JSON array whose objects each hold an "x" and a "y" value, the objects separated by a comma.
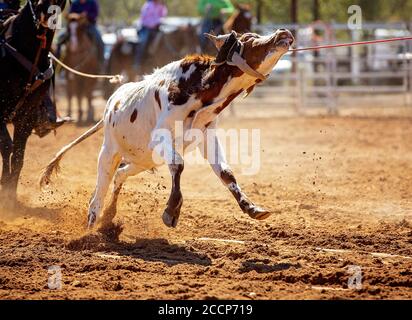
[{"x": 194, "y": 90}]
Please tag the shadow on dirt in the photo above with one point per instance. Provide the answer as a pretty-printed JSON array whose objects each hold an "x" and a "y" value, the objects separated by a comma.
[
  {"x": 15, "y": 209},
  {"x": 162, "y": 251},
  {"x": 154, "y": 250},
  {"x": 264, "y": 266}
]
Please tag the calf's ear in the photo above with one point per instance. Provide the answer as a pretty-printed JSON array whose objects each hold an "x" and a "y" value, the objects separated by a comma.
[
  {"x": 229, "y": 47},
  {"x": 219, "y": 41}
]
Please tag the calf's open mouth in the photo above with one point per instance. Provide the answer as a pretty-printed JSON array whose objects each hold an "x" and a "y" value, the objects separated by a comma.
[{"x": 284, "y": 41}]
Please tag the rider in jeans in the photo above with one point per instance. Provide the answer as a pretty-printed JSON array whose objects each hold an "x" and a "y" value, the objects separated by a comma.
[
  {"x": 89, "y": 8},
  {"x": 212, "y": 12},
  {"x": 151, "y": 14}
]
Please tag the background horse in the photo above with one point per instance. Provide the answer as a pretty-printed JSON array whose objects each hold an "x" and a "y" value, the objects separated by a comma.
[
  {"x": 81, "y": 55},
  {"x": 165, "y": 48},
  {"x": 31, "y": 37},
  {"x": 241, "y": 20}
]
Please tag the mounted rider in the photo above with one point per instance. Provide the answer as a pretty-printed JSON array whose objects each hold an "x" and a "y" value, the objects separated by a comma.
[
  {"x": 213, "y": 13},
  {"x": 48, "y": 119},
  {"x": 150, "y": 19},
  {"x": 9, "y": 5},
  {"x": 90, "y": 9}
]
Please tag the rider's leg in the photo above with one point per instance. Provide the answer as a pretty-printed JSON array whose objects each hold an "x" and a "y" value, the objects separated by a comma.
[
  {"x": 48, "y": 119},
  {"x": 97, "y": 38},
  {"x": 207, "y": 26},
  {"x": 50, "y": 109},
  {"x": 144, "y": 35}
]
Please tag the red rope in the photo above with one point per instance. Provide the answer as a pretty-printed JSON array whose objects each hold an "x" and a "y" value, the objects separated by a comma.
[{"x": 351, "y": 44}]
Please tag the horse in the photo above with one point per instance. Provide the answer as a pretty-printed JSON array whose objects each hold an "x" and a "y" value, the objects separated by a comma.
[
  {"x": 25, "y": 78},
  {"x": 81, "y": 55},
  {"x": 165, "y": 47},
  {"x": 241, "y": 20}
]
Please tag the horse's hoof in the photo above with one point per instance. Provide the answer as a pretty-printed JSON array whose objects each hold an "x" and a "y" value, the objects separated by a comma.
[
  {"x": 258, "y": 213},
  {"x": 169, "y": 220},
  {"x": 8, "y": 200}
]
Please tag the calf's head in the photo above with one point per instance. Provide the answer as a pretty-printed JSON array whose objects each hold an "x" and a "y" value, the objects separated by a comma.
[{"x": 254, "y": 54}]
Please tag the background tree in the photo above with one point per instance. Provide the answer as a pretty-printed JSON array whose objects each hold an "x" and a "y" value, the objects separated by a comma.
[{"x": 275, "y": 11}]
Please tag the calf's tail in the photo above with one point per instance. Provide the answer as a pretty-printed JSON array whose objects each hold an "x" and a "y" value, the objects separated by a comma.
[{"x": 53, "y": 166}]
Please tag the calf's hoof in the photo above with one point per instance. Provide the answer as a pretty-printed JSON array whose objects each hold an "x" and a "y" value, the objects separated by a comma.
[
  {"x": 91, "y": 220},
  {"x": 169, "y": 220},
  {"x": 258, "y": 213},
  {"x": 111, "y": 231}
]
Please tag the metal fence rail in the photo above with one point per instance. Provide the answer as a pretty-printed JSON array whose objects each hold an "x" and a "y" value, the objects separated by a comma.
[{"x": 323, "y": 79}]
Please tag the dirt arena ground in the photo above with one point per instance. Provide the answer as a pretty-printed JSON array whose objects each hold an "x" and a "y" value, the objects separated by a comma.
[{"x": 340, "y": 189}]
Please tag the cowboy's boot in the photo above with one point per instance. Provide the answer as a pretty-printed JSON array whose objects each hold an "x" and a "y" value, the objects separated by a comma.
[{"x": 48, "y": 120}]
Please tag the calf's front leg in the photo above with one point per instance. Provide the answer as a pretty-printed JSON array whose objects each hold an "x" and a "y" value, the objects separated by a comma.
[
  {"x": 218, "y": 162},
  {"x": 175, "y": 202}
]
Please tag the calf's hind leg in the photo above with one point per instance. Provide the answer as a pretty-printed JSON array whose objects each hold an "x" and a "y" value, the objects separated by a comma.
[
  {"x": 121, "y": 176},
  {"x": 163, "y": 145},
  {"x": 109, "y": 161}
]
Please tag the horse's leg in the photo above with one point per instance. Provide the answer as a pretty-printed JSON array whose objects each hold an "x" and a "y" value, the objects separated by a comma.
[
  {"x": 6, "y": 149},
  {"x": 69, "y": 99},
  {"x": 90, "y": 111},
  {"x": 79, "y": 105},
  {"x": 20, "y": 137}
]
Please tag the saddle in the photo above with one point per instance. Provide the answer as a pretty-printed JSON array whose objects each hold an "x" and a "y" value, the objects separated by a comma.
[{"x": 129, "y": 46}]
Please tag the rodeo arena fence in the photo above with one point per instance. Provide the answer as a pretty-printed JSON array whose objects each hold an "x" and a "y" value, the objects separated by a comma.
[{"x": 336, "y": 78}]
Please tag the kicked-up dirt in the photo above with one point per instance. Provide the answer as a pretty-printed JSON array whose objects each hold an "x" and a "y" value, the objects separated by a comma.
[{"x": 340, "y": 190}]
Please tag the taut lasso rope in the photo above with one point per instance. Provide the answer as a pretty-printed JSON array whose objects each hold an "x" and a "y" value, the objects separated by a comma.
[
  {"x": 351, "y": 44},
  {"x": 119, "y": 78},
  {"x": 112, "y": 78}
]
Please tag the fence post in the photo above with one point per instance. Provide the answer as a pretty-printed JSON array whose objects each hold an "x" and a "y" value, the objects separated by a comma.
[
  {"x": 301, "y": 83},
  {"x": 409, "y": 71},
  {"x": 409, "y": 66},
  {"x": 331, "y": 83},
  {"x": 406, "y": 74},
  {"x": 355, "y": 57}
]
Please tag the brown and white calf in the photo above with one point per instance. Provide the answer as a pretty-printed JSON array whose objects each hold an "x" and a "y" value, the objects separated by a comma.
[{"x": 193, "y": 90}]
